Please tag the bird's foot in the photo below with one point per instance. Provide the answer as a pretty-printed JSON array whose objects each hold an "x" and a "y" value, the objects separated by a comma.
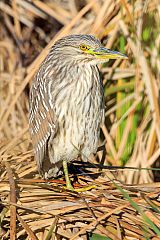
[
  {"x": 83, "y": 189},
  {"x": 68, "y": 182}
]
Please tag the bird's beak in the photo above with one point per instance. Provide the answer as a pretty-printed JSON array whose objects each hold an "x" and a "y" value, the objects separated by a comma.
[{"x": 104, "y": 53}]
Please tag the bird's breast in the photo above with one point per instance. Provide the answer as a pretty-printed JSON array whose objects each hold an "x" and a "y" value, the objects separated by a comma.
[{"x": 80, "y": 97}]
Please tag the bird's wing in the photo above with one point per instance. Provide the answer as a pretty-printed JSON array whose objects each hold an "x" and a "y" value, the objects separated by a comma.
[{"x": 42, "y": 121}]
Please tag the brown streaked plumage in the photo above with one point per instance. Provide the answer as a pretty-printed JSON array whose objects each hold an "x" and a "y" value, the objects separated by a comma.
[{"x": 67, "y": 102}]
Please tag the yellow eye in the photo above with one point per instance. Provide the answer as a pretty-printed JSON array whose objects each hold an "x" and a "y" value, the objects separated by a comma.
[{"x": 84, "y": 47}]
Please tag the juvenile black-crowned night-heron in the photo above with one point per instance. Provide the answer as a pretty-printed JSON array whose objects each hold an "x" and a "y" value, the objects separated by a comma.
[{"x": 67, "y": 103}]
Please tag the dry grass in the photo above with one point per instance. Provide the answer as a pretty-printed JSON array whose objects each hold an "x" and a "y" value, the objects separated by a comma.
[{"x": 131, "y": 134}]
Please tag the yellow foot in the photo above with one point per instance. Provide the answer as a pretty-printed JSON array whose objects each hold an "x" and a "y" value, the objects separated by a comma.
[
  {"x": 84, "y": 189},
  {"x": 68, "y": 182}
]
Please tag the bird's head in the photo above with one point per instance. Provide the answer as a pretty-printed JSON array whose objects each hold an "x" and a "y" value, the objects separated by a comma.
[{"x": 84, "y": 49}]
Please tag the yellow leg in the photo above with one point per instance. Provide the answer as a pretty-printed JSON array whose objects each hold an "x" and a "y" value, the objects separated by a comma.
[{"x": 68, "y": 182}]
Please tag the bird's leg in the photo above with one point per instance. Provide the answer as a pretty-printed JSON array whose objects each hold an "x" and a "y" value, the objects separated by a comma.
[{"x": 68, "y": 182}]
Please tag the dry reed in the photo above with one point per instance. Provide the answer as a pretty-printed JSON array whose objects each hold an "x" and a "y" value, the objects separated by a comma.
[{"x": 34, "y": 209}]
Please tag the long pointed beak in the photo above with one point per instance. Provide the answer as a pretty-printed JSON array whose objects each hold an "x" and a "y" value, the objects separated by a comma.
[{"x": 104, "y": 53}]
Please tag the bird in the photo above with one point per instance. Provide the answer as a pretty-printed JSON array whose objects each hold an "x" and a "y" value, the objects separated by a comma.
[{"x": 66, "y": 103}]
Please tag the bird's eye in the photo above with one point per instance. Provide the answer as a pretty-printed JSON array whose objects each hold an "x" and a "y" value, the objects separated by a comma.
[{"x": 84, "y": 47}]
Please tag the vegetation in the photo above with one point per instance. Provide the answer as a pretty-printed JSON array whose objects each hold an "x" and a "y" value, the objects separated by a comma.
[{"x": 126, "y": 172}]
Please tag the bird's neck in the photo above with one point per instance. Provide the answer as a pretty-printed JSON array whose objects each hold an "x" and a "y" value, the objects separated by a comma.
[{"x": 71, "y": 72}]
